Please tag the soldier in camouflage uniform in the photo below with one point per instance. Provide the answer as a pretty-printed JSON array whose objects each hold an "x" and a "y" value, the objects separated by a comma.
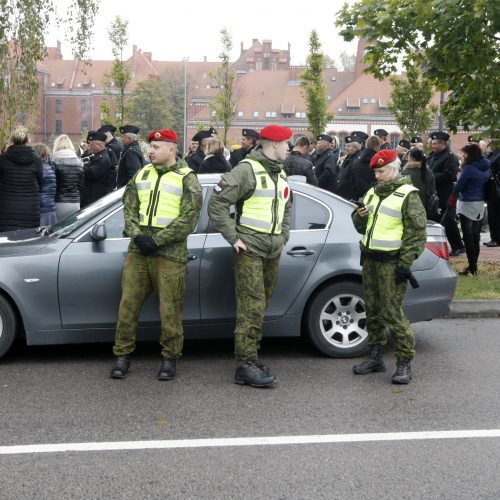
[
  {"x": 393, "y": 222},
  {"x": 258, "y": 188},
  {"x": 162, "y": 205}
]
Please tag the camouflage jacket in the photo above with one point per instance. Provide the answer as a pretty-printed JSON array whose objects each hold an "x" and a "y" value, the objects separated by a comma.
[
  {"x": 171, "y": 240},
  {"x": 236, "y": 187},
  {"x": 414, "y": 223}
]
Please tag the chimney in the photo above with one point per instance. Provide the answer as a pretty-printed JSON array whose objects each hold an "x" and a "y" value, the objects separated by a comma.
[
  {"x": 147, "y": 55},
  {"x": 204, "y": 58},
  {"x": 134, "y": 50},
  {"x": 359, "y": 65},
  {"x": 59, "y": 53}
]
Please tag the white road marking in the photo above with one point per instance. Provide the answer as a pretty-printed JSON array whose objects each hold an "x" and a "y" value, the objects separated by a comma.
[{"x": 248, "y": 441}]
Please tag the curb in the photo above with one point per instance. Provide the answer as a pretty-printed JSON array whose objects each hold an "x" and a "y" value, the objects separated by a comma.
[{"x": 478, "y": 308}]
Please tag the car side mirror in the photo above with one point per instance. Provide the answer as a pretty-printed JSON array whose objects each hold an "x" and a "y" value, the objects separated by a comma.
[{"x": 98, "y": 232}]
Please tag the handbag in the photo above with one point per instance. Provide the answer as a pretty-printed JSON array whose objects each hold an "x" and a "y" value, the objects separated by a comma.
[{"x": 492, "y": 188}]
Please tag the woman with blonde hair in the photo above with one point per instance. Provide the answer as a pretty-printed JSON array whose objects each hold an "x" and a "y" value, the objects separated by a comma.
[
  {"x": 214, "y": 162},
  {"x": 48, "y": 188},
  {"x": 21, "y": 176},
  {"x": 69, "y": 174}
]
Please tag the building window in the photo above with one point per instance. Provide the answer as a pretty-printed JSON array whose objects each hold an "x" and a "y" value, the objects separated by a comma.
[
  {"x": 353, "y": 110},
  {"x": 58, "y": 127},
  {"x": 240, "y": 114},
  {"x": 84, "y": 125},
  {"x": 268, "y": 114},
  {"x": 373, "y": 100},
  {"x": 84, "y": 106},
  {"x": 365, "y": 100},
  {"x": 255, "y": 114},
  {"x": 339, "y": 109},
  {"x": 58, "y": 106}
]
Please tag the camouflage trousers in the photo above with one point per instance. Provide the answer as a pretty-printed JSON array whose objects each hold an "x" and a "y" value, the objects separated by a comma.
[
  {"x": 255, "y": 279},
  {"x": 384, "y": 308},
  {"x": 141, "y": 276}
]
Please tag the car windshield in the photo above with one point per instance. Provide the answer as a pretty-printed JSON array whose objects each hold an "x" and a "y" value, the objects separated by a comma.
[{"x": 64, "y": 227}]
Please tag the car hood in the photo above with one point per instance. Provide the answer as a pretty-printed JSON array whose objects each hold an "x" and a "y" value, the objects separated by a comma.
[{"x": 22, "y": 241}]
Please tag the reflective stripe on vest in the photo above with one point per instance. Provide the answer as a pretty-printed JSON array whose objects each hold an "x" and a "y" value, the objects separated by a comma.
[
  {"x": 384, "y": 228},
  {"x": 159, "y": 196},
  {"x": 265, "y": 209}
]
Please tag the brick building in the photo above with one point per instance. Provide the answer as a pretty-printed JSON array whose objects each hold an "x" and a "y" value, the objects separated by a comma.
[{"x": 267, "y": 91}]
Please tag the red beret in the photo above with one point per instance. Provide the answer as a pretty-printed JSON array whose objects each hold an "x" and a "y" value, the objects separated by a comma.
[
  {"x": 165, "y": 135},
  {"x": 275, "y": 133},
  {"x": 382, "y": 158}
]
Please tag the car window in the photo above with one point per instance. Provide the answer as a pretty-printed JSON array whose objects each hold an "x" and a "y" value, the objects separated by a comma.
[
  {"x": 115, "y": 225},
  {"x": 308, "y": 214}
]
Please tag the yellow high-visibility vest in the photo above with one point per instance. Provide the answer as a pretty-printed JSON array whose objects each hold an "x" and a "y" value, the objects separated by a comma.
[
  {"x": 265, "y": 209},
  {"x": 384, "y": 228},
  {"x": 159, "y": 196}
]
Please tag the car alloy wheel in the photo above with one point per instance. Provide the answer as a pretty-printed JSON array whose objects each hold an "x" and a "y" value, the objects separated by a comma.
[{"x": 336, "y": 320}]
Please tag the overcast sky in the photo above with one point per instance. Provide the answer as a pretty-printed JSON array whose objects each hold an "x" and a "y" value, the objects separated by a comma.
[{"x": 172, "y": 30}]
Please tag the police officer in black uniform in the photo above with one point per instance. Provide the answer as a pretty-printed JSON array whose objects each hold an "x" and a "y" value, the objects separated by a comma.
[
  {"x": 114, "y": 149},
  {"x": 249, "y": 139},
  {"x": 132, "y": 159},
  {"x": 96, "y": 170},
  {"x": 382, "y": 135},
  {"x": 444, "y": 166},
  {"x": 325, "y": 164}
]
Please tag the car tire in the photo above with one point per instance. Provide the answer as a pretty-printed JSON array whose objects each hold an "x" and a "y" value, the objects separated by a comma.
[
  {"x": 336, "y": 320},
  {"x": 8, "y": 326}
]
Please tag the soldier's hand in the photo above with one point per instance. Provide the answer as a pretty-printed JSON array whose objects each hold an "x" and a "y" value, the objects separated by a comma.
[
  {"x": 362, "y": 211},
  {"x": 239, "y": 245},
  {"x": 401, "y": 274},
  {"x": 146, "y": 245}
]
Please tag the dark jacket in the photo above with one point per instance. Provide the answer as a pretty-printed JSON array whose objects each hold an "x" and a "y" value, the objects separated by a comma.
[
  {"x": 48, "y": 189},
  {"x": 473, "y": 179},
  {"x": 21, "y": 176},
  {"x": 425, "y": 183},
  {"x": 444, "y": 166},
  {"x": 195, "y": 160},
  {"x": 96, "y": 173},
  {"x": 238, "y": 155},
  {"x": 325, "y": 169},
  {"x": 363, "y": 176},
  {"x": 69, "y": 175},
  {"x": 214, "y": 164},
  {"x": 117, "y": 148},
  {"x": 296, "y": 164},
  {"x": 131, "y": 161},
  {"x": 345, "y": 184}
]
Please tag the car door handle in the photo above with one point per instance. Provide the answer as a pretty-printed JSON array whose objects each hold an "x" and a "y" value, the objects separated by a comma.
[
  {"x": 192, "y": 257},
  {"x": 300, "y": 252}
]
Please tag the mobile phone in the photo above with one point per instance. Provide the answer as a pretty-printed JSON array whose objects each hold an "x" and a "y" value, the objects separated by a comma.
[{"x": 359, "y": 204}]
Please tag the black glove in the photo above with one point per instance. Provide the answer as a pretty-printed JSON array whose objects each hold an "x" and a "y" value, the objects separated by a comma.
[
  {"x": 146, "y": 245},
  {"x": 402, "y": 274}
]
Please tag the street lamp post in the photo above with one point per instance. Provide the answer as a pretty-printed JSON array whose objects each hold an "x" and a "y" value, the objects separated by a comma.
[{"x": 185, "y": 60}]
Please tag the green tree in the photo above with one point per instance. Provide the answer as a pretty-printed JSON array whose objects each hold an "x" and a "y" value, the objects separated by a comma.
[
  {"x": 410, "y": 102},
  {"x": 150, "y": 107},
  {"x": 23, "y": 24},
  {"x": 222, "y": 106},
  {"x": 455, "y": 42},
  {"x": 315, "y": 88},
  {"x": 347, "y": 61},
  {"x": 120, "y": 74},
  {"x": 173, "y": 79}
]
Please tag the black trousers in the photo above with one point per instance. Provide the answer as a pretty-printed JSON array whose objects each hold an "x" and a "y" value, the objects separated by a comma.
[
  {"x": 494, "y": 219},
  {"x": 471, "y": 230}
]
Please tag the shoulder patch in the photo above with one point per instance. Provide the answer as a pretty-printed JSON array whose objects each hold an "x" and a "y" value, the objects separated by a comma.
[
  {"x": 396, "y": 193},
  {"x": 220, "y": 186}
]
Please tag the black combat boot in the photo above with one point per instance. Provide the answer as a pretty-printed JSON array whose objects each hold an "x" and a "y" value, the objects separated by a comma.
[
  {"x": 374, "y": 363},
  {"x": 121, "y": 367},
  {"x": 168, "y": 369},
  {"x": 252, "y": 374},
  {"x": 403, "y": 371}
]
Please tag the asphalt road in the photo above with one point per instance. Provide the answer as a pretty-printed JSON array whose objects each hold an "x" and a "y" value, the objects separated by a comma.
[{"x": 63, "y": 395}]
